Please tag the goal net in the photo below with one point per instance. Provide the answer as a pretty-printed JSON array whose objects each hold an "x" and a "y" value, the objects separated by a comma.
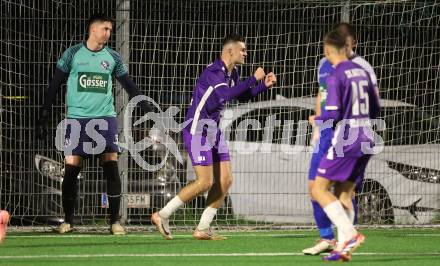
[{"x": 167, "y": 44}]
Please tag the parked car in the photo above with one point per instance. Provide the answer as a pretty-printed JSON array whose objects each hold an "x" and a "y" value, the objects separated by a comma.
[
  {"x": 401, "y": 185},
  {"x": 146, "y": 192}
]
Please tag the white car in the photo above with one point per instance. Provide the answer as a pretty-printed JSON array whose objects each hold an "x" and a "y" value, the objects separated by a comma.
[{"x": 401, "y": 185}]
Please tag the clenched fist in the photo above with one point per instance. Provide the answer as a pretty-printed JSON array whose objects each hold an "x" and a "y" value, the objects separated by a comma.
[
  {"x": 270, "y": 80},
  {"x": 259, "y": 74}
]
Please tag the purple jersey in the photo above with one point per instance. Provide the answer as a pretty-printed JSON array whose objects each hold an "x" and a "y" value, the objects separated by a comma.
[
  {"x": 352, "y": 100},
  {"x": 214, "y": 88}
]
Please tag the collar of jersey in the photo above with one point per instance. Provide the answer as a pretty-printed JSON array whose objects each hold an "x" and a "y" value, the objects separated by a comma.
[
  {"x": 96, "y": 51},
  {"x": 221, "y": 65}
]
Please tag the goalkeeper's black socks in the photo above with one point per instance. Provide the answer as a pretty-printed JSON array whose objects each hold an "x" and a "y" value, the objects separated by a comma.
[
  {"x": 69, "y": 189},
  {"x": 111, "y": 173}
]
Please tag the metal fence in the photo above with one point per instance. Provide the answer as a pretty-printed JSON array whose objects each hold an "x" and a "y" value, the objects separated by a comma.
[{"x": 166, "y": 45}]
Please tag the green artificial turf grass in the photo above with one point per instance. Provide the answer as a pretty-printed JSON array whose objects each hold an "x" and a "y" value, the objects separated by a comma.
[{"x": 392, "y": 246}]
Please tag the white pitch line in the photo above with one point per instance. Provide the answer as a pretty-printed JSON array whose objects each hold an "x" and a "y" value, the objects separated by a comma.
[
  {"x": 154, "y": 235},
  {"x": 62, "y": 256},
  {"x": 421, "y": 234}
]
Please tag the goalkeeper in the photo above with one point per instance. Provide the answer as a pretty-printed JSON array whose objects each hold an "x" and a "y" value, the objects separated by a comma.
[{"x": 89, "y": 67}]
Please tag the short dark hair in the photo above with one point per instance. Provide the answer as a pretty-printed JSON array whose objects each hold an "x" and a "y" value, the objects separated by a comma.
[
  {"x": 346, "y": 28},
  {"x": 336, "y": 38},
  {"x": 230, "y": 38},
  {"x": 101, "y": 17}
]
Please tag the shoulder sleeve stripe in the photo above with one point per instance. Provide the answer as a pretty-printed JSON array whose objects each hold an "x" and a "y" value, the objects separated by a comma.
[
  {"x": 65, "y": 62},
  {"x": 199, "y": 109},
  {"x": 220, "y": 84},
  {"x": 120, "y": 68}
]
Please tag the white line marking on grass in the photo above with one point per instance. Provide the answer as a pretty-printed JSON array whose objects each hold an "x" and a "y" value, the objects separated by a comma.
[
  {"x": 151, "y": 235},
  {"x": 61, "y": 256},
  {"x": 421, "y": 234},
  {"x": 154, "y": 235}
]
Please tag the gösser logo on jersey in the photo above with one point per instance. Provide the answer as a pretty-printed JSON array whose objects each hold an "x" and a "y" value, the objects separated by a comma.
[{"x": 92, "y": 82}]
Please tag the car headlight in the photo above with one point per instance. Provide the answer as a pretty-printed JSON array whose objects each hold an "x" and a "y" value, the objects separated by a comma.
[
  {"x": 416, "y": 173},
  {"x": 50, "y": 168},
  {"x": 158, "y": 138}
]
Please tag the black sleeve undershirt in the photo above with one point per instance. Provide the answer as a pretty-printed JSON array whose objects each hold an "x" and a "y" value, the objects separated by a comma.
[
  {"x": 128, "y": 84},
  {"x": 54, "y": 87}
]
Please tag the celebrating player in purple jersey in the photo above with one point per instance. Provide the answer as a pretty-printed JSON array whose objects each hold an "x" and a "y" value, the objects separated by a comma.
[
  {"x": 351, "y": 102},
  {"x": 205, "y": 143}
]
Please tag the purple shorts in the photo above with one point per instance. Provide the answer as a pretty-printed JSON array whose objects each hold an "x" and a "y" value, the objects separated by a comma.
[
  {"x": 205, "y": 149},
  {"x": 341, "y": 169},
  {"x": 101, "y": 136}
]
